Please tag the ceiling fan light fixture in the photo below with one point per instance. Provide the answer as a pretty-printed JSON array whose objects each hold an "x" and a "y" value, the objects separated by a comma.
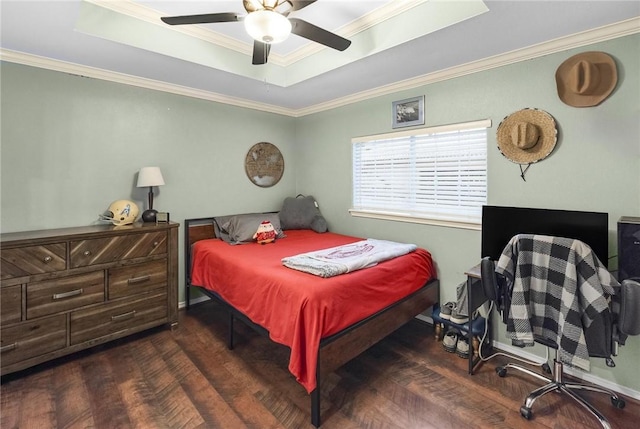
[{"x": 267, "y": 26}]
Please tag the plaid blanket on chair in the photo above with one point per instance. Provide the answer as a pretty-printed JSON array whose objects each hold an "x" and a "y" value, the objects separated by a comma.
[{"x": 558, "y": 287}]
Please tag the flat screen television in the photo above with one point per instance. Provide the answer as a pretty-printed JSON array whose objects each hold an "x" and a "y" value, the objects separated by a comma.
[{"x": 500, "y": 223}]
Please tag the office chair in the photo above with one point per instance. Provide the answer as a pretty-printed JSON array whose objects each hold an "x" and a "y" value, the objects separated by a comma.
[{"x": 625, "y": 321}]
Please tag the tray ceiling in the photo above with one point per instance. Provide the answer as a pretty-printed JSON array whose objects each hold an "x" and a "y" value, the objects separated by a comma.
[{"x": 395, "y": 44}]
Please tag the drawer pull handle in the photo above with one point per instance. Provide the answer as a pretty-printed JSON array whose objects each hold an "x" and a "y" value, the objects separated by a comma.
[
  {"x": 8, "y": 347},
  {"x": 86, "y": 252},
  {"x": 47, "y": 259},
  {"x": 155, "y": 244},
  {"x": 123, "y": 316},
  {"x": 140, "y": 279},
  {"x": 68, "y": 294}
]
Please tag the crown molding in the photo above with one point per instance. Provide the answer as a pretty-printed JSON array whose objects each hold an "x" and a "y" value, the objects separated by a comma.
[
  {"x": 609, "y": 32},
  {"x": 601, "y": 34},
  {"x": 147, "y": 14},
  {"x": 96, "y": 73},
  {"x": 377, "y": 16},
  {"x": 152, "y": 16}
]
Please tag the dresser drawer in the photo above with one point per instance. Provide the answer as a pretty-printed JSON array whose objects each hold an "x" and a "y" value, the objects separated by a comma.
[
  {"x": 120, "y": 247},
  {"x": 67, "y": 293},
  {"x": 118, "y": 316},
  {"x": 67, "y": 289},
  {"x": 10, "y": 304},
  {"x": 134, "y": 279},
  {"x": 25, "y": 261},
  {"x": 32, "y": 338}
]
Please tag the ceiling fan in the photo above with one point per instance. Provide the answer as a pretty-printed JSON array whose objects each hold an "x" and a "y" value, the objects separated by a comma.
[{"x": 267, "y": 23}]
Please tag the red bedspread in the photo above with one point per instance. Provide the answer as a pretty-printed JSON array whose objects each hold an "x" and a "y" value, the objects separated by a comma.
[{"x": 298, "y": 309}]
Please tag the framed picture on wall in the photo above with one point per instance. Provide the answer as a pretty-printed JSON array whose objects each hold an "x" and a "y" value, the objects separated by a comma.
[{"x": 408, "y": 112}]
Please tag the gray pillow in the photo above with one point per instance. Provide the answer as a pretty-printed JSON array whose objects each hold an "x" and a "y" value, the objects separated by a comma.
[
  {"x": 302, "y": 213},
  {"x": 238, "y": 229},
  {"x": 319, "y": 224},
  {"x": 221, "y": 233}
]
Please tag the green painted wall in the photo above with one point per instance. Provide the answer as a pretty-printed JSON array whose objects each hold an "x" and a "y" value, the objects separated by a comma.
[
  {"x": 595, "y": 166},
  {"x": 71, "y": 145}
]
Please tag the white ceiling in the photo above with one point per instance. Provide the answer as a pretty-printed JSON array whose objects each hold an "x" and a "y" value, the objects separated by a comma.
[
  {"x": 395, "y": 43},
  {"x": 370, "y": 25}
]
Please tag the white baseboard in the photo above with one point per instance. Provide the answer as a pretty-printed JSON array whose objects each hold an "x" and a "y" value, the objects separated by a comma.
[
  {"x": 581, "y": 375},
  {"x": 585, "y": 376},
  {"x": 517, "y": 351},
  {"x": 183, "y": 304}
]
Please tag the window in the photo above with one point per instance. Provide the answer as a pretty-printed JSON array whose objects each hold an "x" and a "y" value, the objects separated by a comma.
[{"x": 431, "y": 175}]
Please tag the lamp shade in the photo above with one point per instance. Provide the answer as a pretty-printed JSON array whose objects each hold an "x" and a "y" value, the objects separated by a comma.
[
  {"x": 267, "y": 26},
  {"x": 150, "y": 176}
]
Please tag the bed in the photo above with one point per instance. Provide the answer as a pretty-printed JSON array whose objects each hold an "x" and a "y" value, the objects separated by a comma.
[{"x": 324, "y": 321}]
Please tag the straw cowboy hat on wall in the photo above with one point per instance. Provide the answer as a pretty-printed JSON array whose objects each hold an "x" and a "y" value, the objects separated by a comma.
[
  {"x": 527, "y": 136},
  {"x": 586, "y": 79}
]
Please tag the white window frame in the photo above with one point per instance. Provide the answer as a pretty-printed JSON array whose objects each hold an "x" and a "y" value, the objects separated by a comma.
[{"x": 469, "y": 190}]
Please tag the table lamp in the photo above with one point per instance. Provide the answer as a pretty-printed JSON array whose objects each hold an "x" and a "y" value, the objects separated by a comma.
[{"x": 150, "y": 176}]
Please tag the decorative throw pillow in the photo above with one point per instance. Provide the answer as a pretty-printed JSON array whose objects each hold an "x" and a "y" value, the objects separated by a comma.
[
  {"x": 302, "y": 213},
  {"x": 240, "y": 228},
  {"x": 220, "y": 232}
]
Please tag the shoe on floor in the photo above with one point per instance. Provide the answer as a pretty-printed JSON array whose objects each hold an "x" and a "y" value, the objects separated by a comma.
[
  {"x": 450, "y": 341},
  {"x": 446, "y": 310},
  {"x": 462, "y": 347},
  {"x": 458, "y": 318}
]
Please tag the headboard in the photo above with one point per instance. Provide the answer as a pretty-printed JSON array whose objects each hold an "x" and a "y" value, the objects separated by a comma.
[{"x": 197, "y": 229}]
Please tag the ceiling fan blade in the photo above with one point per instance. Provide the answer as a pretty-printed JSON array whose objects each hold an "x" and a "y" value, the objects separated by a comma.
[
  {"x": 317, "y": 34},
  {"x": 202, "y": 19},
  {"x": 260, "y": 52},
  {"x": 300, "y": 4}
]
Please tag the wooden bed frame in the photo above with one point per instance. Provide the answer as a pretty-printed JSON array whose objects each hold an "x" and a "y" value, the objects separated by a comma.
[{"x": 337, "y": 349}]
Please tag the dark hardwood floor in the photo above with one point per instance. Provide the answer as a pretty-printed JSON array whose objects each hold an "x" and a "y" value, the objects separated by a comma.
[{"x": 186, "y": 378}]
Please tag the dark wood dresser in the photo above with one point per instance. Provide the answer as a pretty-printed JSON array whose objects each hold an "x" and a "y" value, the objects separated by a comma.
[{"x": 64, "y": 290}]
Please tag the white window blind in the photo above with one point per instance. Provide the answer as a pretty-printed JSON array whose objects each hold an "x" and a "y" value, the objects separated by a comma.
[{"x": 437, "y": 173}]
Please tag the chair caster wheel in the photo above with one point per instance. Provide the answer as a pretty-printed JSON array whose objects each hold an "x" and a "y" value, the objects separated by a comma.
[
  {"x": 546, "y": 368},
  {"x": 618, "y": 402},
  {"x": 501, "y": 371},
  {"x": 526, "y": 412}
]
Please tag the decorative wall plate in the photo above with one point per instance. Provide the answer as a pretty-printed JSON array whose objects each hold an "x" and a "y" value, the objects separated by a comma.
[{"x": 264, "y": 164}]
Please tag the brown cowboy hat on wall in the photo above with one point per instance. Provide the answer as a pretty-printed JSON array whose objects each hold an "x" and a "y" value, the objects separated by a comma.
[{"x": 586, "y": 79}]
